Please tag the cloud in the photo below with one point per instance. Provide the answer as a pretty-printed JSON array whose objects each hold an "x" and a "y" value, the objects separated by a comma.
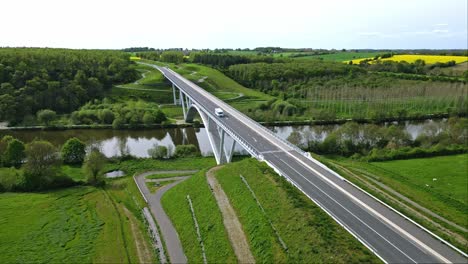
[
  {"x": 370, "y": 34},
  {"x": 440, "y": 31}
]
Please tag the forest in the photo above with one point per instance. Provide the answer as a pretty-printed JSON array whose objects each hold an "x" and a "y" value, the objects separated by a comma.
[{"x": 57, "y": 79}]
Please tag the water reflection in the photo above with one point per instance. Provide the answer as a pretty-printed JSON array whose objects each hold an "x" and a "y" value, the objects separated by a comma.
[{"x": 138, "y": 142}]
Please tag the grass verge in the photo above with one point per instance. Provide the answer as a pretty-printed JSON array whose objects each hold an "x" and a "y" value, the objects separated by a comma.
[
  {"x": 310, "y": 234},
  {"x": 217, "y": 246}
]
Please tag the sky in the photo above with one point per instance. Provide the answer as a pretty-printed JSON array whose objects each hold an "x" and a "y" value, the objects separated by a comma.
[{"x": 349, "y": 24}]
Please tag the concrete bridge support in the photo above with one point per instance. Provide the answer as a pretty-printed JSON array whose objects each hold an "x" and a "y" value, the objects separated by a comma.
[{"x": 222, "y": 144}]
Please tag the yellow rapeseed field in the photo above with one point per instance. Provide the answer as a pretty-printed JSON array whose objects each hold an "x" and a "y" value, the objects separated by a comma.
[
  {"x": 135, "y": 58},
  {"x": 429, "y": 59}
]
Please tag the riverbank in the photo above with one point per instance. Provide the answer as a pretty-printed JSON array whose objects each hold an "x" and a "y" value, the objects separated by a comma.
[{"x": 182, "y": 124}]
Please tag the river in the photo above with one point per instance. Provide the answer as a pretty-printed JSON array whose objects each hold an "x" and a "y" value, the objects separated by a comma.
[{"x": 138, "y": 142}]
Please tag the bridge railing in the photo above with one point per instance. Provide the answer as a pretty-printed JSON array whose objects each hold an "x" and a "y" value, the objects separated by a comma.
[
  {"x": 247, "y": 146},
  {"x": 250, "y": 120}
]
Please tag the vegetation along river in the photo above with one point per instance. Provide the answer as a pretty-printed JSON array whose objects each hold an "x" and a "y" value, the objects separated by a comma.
[{"x": 137, "y": 142}]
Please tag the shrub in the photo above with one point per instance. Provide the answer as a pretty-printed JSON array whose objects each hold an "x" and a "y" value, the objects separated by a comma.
[
  {"x": 148, "y": 118},
  {"x": 73, "y": 151},
  {"x": 159, "y": 117},
  {"x": 93, "y": 166},
  {"x": 118, "y": 123},
  {"x": 14, "y": 153},
  {"x": 158, "y": 152},
  {"x": 42, "y": 162},
  {"x": 46, "y": 116},
  {"x": 186, "y": 151},
  {"x": 106, "y": 116}
]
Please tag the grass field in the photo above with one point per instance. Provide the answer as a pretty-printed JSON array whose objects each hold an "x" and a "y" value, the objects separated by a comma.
[
  {"x": 439, "y": 183},
  {"x": 429, "y": 59},
  {"x": 223, "y": 87},
  {"x": 309, "y": 233},
  {"x": 75, "y": 225},
  {"x": 217, "y": 246},
  {"x": 342, "y": 56},
  {"x": 133, "y": 166},
  {"x": 338, "y": 56},
  {"x": 168, "y": 175}
]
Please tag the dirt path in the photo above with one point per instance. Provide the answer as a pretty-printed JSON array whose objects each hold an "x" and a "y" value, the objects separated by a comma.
[
  {"x": 143, "y": 252},
  {"x": 231, "y": 222},
  {"x": 169, "y": 233}
]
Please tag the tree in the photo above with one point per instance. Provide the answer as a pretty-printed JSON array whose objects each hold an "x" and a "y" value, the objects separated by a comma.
[
  {"x": 106, "y": 116},
  {"x": 172, "y": 56},
  {"x": 159, "y": 117},
  {"x": 119, "y": 122},
  {"x": 295, "y": 138},
  {"x": 14, "y": 153},
  {"x": 93, "y": 166},
  {"x": 46, "y": 116},
  {"x": 148, "y": 118},
  {"x": 42, "y": 162},
  {"x": 73, "y": 151},
  {"x": 158, "y": 152}
]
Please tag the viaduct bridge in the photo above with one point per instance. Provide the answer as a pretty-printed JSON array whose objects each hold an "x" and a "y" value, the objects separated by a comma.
[{"x": 392, "y": 236}]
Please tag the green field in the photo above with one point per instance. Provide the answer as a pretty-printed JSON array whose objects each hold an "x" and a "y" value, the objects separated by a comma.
[
  {"x": 130, "y": 167},
  {"x": 438, "y": 183},
  {"x": 217, "y": 246},
  {"x": 338, "y": 56},
  {"x": 342, "y": 56},
  {"x": 168, "y": 175},
  {"x": 75, "y": 225},
  {"x": 309, "y": 233}
]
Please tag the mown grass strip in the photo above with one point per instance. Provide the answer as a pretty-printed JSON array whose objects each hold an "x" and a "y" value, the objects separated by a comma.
[
  {"x": 217, "y": 246},
  {"x": 311, "y": 235},
  {"x": 197, "y": 228}
]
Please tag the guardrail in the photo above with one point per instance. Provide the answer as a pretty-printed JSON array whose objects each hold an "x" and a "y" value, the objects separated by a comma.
[
  {"x": 241, "y": 115},
  {"x": 247, "y": 146}
]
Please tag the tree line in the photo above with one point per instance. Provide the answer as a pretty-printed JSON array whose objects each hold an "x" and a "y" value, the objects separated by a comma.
[
  {"x": 32, "y": 79},
  {"x": 377, "y": 143},
  {"x": 38, "y": 164}
]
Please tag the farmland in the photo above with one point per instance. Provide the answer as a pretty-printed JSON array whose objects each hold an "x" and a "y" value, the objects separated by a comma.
[{"x": 429, "y": 59}]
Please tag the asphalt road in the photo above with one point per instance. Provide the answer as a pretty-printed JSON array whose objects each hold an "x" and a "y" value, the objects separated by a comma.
[
  {"x": 169, "y": 233},
  {"x": 388, "y": 234}
]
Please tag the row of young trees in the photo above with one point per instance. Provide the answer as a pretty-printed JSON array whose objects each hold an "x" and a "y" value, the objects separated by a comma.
[
  {"x": 58, "y": 79},
  {"x": 223, "y": 61},
  {"x": 40, "y": 162}
]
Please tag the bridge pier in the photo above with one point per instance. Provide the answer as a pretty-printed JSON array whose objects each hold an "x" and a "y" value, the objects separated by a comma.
[
  {"x": 174, "y": 94},
  {"x": 223, "y": 148}
]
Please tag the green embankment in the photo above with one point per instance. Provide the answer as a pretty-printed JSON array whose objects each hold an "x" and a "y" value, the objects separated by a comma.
[
  {"x": 217, "y": 246},
  {"x": 309, "y": 233},
  {"x": 438, "y": 183}
]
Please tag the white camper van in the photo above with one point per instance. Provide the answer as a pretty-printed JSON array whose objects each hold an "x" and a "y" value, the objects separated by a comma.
[{"x": 219, "y": 112}]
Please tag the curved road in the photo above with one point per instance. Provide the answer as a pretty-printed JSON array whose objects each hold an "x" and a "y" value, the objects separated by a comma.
[{"x": 169, "y": 233}]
